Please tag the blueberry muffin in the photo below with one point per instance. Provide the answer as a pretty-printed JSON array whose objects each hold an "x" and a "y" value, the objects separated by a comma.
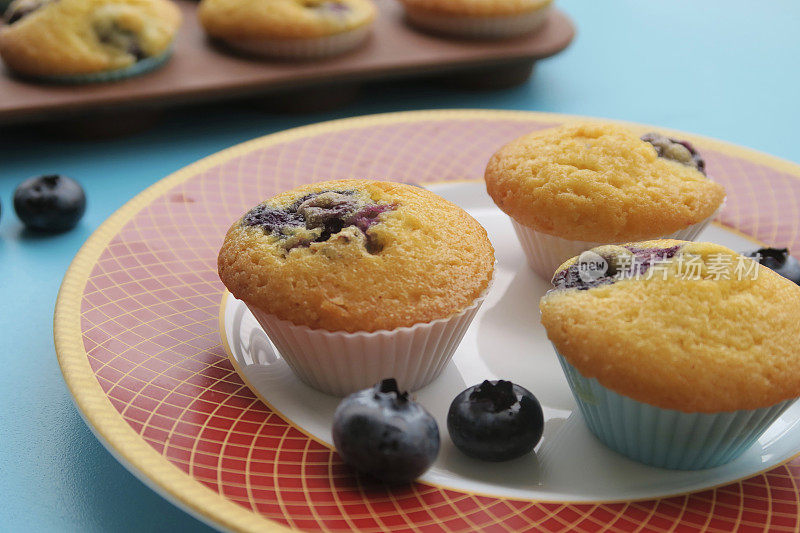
[
  {"x": 679, "y": 354},
  {"x": 75, "y": 41},
  {"x": 357, "y": 255},
  {"x": 357, "y": 281},
  {"x": 292, "y": 29},
  {"x": 480, "y": 19},
  {"x": 573, "y": 187}
]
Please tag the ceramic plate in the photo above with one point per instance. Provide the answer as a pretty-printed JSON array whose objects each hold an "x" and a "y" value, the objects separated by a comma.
[
  {"x": 143, "y": 326},
  {"x": 506, "y": 341}
]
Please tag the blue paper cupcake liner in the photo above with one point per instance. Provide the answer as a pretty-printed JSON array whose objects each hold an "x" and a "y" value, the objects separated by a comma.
[
  {"x": 137, "y": 69},
  {"x": 664, "y": 437}
]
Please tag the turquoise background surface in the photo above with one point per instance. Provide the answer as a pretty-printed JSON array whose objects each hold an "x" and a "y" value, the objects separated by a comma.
[{"x": 723, "y": 68}]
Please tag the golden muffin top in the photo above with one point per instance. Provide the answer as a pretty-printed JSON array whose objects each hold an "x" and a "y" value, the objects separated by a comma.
[
  {"x": 73, "y": 37},
  {"x": 357, "y": 255},
  {"x": 601, "y": 183},
  {"x": 478, "y": 8},
  {"x": 283, "y": 19},
  {"x": 693, "y": 327}
]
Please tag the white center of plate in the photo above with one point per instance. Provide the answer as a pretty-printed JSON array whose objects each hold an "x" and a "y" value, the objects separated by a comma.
[{"x": 506, "y": 341}]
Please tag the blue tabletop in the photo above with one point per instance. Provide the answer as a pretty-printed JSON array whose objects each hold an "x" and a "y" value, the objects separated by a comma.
[{"x": 723, "y": 68}]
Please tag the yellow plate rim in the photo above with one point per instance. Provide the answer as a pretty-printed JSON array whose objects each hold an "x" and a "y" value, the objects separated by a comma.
[{"x": 107, "y": 424}]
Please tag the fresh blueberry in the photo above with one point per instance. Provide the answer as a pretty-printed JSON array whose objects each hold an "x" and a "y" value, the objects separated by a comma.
[
  {"x": 495, "y": 421},
  {"x": 50, "y": 203},
  {"x": 779, "y": 260},
  {"x": 380, "y": 432},
  {"x": 676, "y": 150}
]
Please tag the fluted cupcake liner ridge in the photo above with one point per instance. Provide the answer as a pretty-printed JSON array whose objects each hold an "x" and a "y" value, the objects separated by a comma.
[
  {"x": 302, "y": 48},
  {"x": 137, "y": 69},
  {"x": 478, "y": 27},
  {"x": 545, "y": 253},
  {"x": 664, "y": 437},
  {"x": 340, "y": 363}
]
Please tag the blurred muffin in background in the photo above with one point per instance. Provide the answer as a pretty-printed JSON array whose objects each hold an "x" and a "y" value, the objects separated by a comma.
[
  {"x": 478, "y": 19},
  {"x": 83, "y": 41},
  {"x": 288, "y": 29}
]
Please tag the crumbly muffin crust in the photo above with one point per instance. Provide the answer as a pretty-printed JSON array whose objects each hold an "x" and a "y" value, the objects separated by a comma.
[
  {"x": 74, "y": 37},
  {"x": 598, "y": 182},
  {"x": 692, "y": 345},
  {"x": 477, "y": 8},
  {"x": 283, "y": 19},
  {"x": 357, "y": 255}
]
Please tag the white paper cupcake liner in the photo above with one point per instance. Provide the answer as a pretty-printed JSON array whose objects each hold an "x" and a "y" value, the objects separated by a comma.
[
  {"x": 664, "y": 437},
  {"x": 476, "y": 27},
  {"x": 545, "y": 253},
  {"x": 311, "y": 48},
  {"x": 340, "y": 363}
]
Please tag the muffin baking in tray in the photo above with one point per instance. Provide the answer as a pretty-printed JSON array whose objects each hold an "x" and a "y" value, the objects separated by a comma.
[
  {"x": 478, "y": 19},
  {"x": 580, "y": 185},
  {"x": 355, "y": 281},
  {"x": 291, "y": 29},
  {"x": 679, "y": 354},
  {"x": 82, "y": 41}
]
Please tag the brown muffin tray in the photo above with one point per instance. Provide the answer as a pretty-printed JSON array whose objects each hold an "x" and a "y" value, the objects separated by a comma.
[{"x": 200, "y": 71}]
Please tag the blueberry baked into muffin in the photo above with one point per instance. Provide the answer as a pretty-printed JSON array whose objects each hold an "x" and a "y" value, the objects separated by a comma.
[
  {"x": 290, "y": 29},
  {"x": 580, "y": 185},
  {"x": 678, "y": 354},
  {"x": 478, "y": 19},
  {"x": 79, "y": 41},
  {"x": 378, "y": 279}
]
